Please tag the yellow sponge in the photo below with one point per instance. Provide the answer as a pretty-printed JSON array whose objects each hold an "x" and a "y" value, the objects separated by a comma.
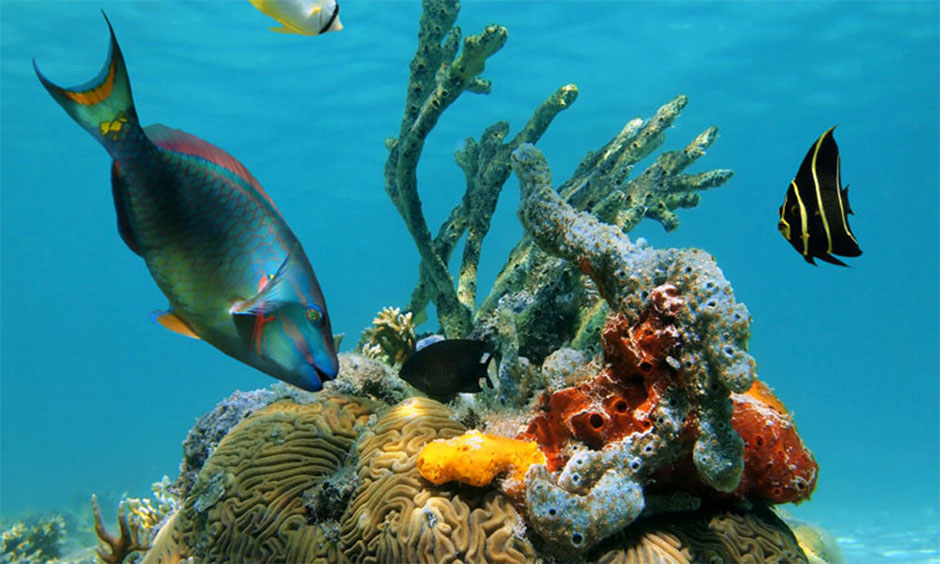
[{"x": 475, "y": 458}]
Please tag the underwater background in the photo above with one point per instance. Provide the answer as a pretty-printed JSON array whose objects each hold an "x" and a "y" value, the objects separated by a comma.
[{"x": 95, "y": 397}]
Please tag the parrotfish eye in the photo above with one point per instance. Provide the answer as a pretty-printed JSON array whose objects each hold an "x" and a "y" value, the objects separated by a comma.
[{"x": 314, "y": 315}]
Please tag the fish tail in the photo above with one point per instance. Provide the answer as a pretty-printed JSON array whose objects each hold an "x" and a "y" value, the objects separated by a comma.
[{"x": 104, "y": 105}]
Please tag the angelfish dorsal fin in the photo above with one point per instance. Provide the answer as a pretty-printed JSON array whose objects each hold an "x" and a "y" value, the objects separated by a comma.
[
  {"x": 173, "y": 322},
  {"x": 845, "y": 200}
]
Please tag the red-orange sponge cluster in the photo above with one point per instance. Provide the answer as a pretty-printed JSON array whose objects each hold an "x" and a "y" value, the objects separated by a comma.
[
  {"x": 621, "y": 400},
  {"x": 777, "y": 465}
]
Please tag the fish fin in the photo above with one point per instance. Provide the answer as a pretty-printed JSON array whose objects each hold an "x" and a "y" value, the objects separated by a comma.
[
  {"x": 103, "y": 106},
  {"x": 486, "y": 367},
  {"x": 315, "y": 10},
  {"x": 284, "y": 29},
  {"x": 180, "y": 142},
  {"x": 845, "y": 200},
  {"x": 124, "y": 225},
  {"x": 338, "y": 340},
  {"x": 174, "y": 323},
  {"x": 809, "y": 259},
  {"x": 831, "y": 260},
  {"x": 268, "y": 297}
]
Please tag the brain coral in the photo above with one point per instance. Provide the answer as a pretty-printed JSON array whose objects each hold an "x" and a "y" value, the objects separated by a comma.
[
  {"x": 247, "y": 504},
  {"x": 705, "y": 536},
  {"x": 397, "y": 516}
]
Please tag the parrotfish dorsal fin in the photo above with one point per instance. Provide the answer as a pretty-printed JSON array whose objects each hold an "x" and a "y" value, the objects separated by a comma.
[
  {"x": 173, "y": 322},
  {"x": 271, "y": 296},
  {"x": 124, "y": 225},
  {"x": 178, "y": 141}
]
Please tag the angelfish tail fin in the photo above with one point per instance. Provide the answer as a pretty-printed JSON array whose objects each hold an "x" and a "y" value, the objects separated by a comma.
[{"x": 104, "y": 105}]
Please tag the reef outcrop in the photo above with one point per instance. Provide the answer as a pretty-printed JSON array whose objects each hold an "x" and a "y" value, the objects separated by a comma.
[{"x": 627, "y": 425}]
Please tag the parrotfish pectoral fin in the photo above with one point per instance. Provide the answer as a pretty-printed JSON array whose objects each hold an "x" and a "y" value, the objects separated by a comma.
[
  {"x": 173, "y": 322},
  {"x": 271, "y": 296},
  {"x": 103, "y": 105}
]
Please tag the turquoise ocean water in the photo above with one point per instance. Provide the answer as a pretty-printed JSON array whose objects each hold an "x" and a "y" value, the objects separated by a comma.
[{"x": 97, "y": 398}]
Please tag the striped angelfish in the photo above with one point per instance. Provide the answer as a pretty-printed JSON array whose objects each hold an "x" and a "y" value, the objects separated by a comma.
[
  {"x": 233, "y": 272},
  {"x": 814, "y": 214}
]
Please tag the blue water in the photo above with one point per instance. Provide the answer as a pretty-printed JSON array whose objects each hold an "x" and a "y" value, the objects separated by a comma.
[{"x": 97, "y": 398}]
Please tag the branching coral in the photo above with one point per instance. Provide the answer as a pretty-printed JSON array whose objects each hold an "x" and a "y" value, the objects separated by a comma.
[
  {"x": 391, "y": 337},
  {"x": 438, "y": 77},
  {"x": 36, "y": 540},
  {"x": 132, "y": 536}
]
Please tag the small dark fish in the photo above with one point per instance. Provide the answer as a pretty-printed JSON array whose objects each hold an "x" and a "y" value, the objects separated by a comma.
[
  {"x": 814, "y": 215},
  {"x": 443, "y": 369}
]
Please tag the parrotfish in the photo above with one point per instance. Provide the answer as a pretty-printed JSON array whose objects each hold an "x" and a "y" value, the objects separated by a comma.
[
  {"x": 814, "y": 214},
  {"x": 303, "y": 17},
  {"x": 447, "y": 367},
  {"x": 233, "y": 271}
]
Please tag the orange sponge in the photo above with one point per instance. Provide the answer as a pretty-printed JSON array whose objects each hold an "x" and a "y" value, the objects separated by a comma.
[{"x": 476, "y": 458}]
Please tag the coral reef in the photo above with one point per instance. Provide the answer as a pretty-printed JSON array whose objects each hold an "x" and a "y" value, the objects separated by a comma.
[
  {"x": 209, "y": 430},
  {"x": 391, "y": 337},
  {"x": 627, "y": 416},
  {"x": 365, "y": 377},
  {"x": 138, "y": 522},
  {"x": 476, "y": 458},
  {"x": 247, "y": 503},
  {"x": 712, "y": 535},
  {"x": 396, "y": 516},
  {"x": 33, "y": 540}
]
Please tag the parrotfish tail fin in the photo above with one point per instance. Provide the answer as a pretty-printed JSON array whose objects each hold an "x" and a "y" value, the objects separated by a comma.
[{"x": 103, "y": 105}]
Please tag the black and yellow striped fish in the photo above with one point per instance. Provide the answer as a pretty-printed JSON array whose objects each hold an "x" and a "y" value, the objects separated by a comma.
[{"x": 814, "y": 215}]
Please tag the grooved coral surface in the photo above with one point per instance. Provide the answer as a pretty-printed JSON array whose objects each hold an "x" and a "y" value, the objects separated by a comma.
[
  {"x": 715, "y": 535},
  {"x": 397, "y": 516},
  {"x": 247, "y": 502}
]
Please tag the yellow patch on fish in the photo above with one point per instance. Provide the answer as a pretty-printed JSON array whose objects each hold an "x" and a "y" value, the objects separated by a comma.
[{"x": 112, "y": 126}]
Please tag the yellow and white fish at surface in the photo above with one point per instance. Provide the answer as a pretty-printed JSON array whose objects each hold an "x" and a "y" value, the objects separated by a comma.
[{"x": 303, "y": 17}]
